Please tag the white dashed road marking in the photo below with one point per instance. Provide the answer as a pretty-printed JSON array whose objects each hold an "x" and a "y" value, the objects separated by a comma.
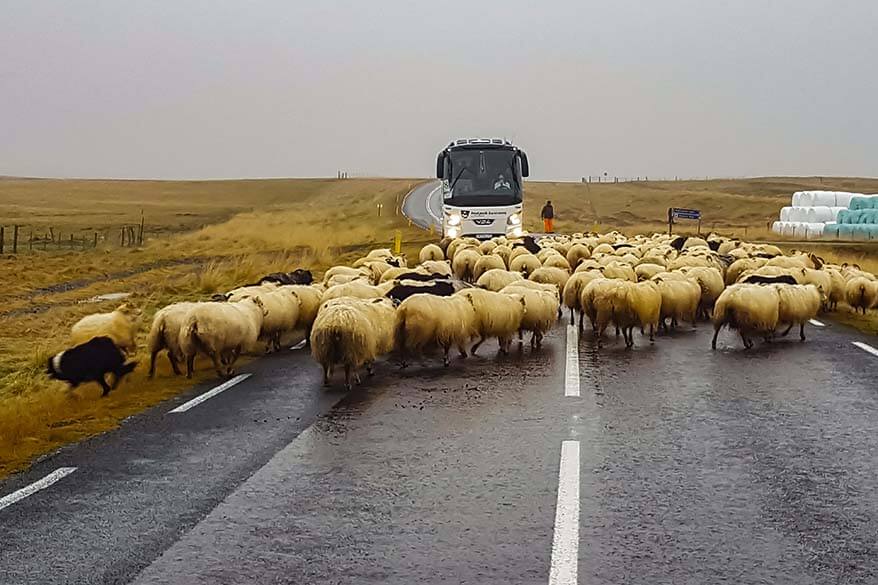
[
  {"x": 571, "y": 374},
  {"x": 210, "y": 393},
  {"x": 36, "y": 486},
  {"x": 816, "y": 323},
  {"x": 565, "y": 544},
  {"x": 866, "y": 347}
]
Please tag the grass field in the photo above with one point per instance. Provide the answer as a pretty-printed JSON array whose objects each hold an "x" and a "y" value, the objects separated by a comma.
[{"x": 209, "y": 236}]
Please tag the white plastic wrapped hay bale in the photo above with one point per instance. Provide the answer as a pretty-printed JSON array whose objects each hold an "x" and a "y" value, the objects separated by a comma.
[
  {"x": 814, "y": 231},
  {"x": 777, "y": 227},
  {"x": 798, "y": 214},
  {"x": 843, "y": 199},
  {"x": 800, "y": 230},
  {"x": 835, "y": 211},
  {"x": 785, "y": 213},
  {"x": 797, "y": 198},
  {"x": 819, "y": 214},
  {"x": 788, "y": 229}
]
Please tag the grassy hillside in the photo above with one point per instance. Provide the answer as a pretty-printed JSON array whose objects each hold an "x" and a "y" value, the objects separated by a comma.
[{"x": 207, "y": 236}]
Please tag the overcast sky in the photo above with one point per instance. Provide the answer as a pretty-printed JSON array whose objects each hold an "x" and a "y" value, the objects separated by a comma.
[{"x": 295, "y": 88}]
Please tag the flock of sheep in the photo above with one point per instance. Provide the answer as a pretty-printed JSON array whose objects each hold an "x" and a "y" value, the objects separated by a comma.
[{"x": 464, "y": 292}]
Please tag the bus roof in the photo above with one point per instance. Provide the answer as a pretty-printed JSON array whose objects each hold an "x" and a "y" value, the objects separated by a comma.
[{"x": 481, "y": 143}]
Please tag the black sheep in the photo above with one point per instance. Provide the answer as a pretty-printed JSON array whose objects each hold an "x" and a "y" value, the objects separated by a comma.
[
  {"x": 759, "y": 279},
  {"x": 90, "y": 362},
  {"x": 401, "y": 292}
]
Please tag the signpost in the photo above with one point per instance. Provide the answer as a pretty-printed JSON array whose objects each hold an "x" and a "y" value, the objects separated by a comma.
[{"x": 682, "y": 213}]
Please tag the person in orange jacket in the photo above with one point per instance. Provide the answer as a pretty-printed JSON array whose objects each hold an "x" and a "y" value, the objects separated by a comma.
[{"x": 548, "y": 217}]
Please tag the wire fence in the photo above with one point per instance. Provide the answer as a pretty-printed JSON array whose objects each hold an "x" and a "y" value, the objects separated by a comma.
[{"x": 22, "y": 239}]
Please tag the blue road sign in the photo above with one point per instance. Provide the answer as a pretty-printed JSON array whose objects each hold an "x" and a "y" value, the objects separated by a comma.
[{"x": 680, "y": 213}]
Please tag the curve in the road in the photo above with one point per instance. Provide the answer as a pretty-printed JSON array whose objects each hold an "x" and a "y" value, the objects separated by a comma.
[{"x": 423, "y": 205}]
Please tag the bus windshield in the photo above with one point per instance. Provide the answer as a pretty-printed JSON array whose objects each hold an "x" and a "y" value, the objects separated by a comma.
[{"x": 483, "y": 177}]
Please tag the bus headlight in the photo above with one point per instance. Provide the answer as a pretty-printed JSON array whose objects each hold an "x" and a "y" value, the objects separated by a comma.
[
  {"x": 454, "y": 219},
  {"x": 514, "y": 219},
  {"x": 516, "y": 232},
  {"x": 452, "y": 232}
]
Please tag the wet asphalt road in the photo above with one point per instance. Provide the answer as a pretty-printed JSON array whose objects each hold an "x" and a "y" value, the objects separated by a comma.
[
  {"x": 424, "y": 205},
  {"x": 696, "y": 467}
]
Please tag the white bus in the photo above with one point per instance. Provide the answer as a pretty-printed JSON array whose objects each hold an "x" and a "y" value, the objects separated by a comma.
[{"x": 482, "y": 187}]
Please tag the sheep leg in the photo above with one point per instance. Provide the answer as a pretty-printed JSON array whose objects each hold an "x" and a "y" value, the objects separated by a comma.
[
  {"x": 174, "y": 366},
  {"x": 104, "y": 385},
  {"x": 370, "y": 368},
  {"x": 152, "y": 364},
  {"x": 474, "y": 348},
  {"x": 715, "y": 335},
  {"x": 521, "y": 338},
  {"x": 446, "y": 347},
  {"x": 326, "y": 373},
  {"x": 190, "y": 365},
  {"x": 347, "y": 377},
  {"x": 461, "y": 352},
  {"x": 802, "y": 331},
  {"x": 503, "y": 345},
  {"x": 572, "y": 317},
  {"x": 784, "y": 334},
  {"x": 217, "y": 363},
  {"x": 652, "y": 334}
]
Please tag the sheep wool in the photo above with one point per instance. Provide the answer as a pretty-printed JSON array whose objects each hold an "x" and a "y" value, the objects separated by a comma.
[
  {"x": 430, "y": 252},
  {"x": 464, "y": 264},
  {"x": 119, "y": 325},
  {"x": 797, "y": 304},
  {"x": 541, "y": 312},
  {"x": 524, "y": 263},
  {"x": 861, "y": 293},
  {"x": 496, "y": 279},
  {"x": 550, "y": 275},
  {"x": 221, "y": 331},
  {"x": 497, "y": 315},
  {"x": 486, "y": 263},
  {"x": 165, "y": 335},
  {"x": 750, "y": 308},
  {"x": 426, "y": 320}
]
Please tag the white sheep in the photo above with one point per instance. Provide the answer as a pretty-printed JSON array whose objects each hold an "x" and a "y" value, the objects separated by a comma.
[
  {"x": 557, "y": 261},
  {"x": 310, "y": 298},
  {"x": 572, "y": 292},
  {"x": 647, "y": 271},
  {"x": 221, "y": 331},
  {"x": 620, "y": 270},
  {"x": 346, "y": 333},
  {"x": 541, "y": 312},
  {"x": 119, "y": 325},
  {"x": 341, "y": 270},
  {"x": 710, "y": 280},
  {"x": 436, "y": 267},
  {"x": 165, "y": 335},
  {"x": 281, "y": 315},
  {"x": 524, "y": 263},
  {"x": 424, "y": 320},
  {"x": 497, "y": 315},
  {"x": 796, "y": 305},
  {"x": 497, "y": 278},
  {"x": 637, "y": 305},
  {"x": 750, "y": 308},
  {"x": 430, "y": 252},
  {"x": 577, "y": 253},
  {"x": 357, "y": 289},
  {"x": 486, "y": 263},
  {"x": 680, "y": 300},
  {"x": 861, "y": 293},
  {"x": 550, "y": 275},
  {"x": 596, "y": 298},
  {"x": 504, "y": 252},
  {"x": 463, "y": 264}
]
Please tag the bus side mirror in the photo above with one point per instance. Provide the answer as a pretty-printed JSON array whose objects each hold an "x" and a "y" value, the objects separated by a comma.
[
  {"x": 440, "y": 166},
  {"x": 525, "y": 168}
]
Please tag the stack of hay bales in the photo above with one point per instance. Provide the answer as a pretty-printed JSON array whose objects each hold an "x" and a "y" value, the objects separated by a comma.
[{"x": 829, "y": 214}]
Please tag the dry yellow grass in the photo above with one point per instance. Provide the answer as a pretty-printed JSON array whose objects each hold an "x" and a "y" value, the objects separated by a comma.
[{"x": 231, "y": 232}]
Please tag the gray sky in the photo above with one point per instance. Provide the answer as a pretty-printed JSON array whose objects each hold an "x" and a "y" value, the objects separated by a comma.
[{"x": 210, "y": 89}]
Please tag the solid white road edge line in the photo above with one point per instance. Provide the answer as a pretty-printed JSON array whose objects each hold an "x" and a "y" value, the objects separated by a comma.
[
  {"x": 564, "y": 565},
  {"x": 816, "y": 323},
  {"x": 36, "y": 486},
  {"x": 430, "y": 211},
  {"x": 866, "y": 347},
  {"x": 210, "y": 393},
  {"x": 571, "y": 373}
]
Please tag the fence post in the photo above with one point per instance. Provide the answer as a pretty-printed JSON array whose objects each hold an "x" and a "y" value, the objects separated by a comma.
[
  {"x": 60, "y": 240},
  {"x": 2, "y": 237},
  {"x": 122, "y": 237},
  {"x": 96, "y": 240},
  {"x": 15, "y": 239},
  {"x": 71, "y": 240},
  {"x": 30, "y": 241},
  {"x": 140, "y": 237}
]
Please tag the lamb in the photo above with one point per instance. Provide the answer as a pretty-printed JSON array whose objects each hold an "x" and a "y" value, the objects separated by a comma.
[
  {"x": 496, "y": 279},
  {"x": 118, "y": 325},
  {"x": 497, "y": 315},
  {"x": 221, "y": 331},
  {"x": 430, "y": 252},
  {"x": 796, "y": 305},
  {"x": 464, "y": 264},
  {"x": 403, "y": 290},
  {"x": 541, "y": 312},
  {"x": 751, "y": 309},
  {"x": 861, "y": 293},
  {"x": 572, "y": 292},
  {"x": 486, "y": 263},
  {"x": 90, "y": 362},
  {"x": 165, "y": 334},
  {"x": 346, "y": 333},
  {"x": 524, "y": 263},
  {"x": 680, "y": 300},
  {"x": 549, "y": 275},
  {"x": 426, "y": 320}
]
